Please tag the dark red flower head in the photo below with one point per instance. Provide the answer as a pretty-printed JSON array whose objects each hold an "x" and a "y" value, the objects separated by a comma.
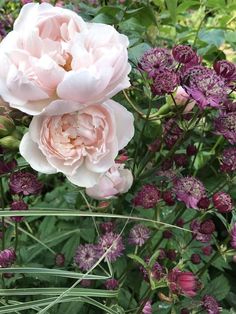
[
  {"x": 210, "y": 304},
  {"x": 222, "y": 202},
  {"x": 226, "y": 69},
  {"x": 24, "y": 183},
  {"x": 183, "y": 53},
  {"x": 228, "y": 160},
  {"x": 147, "y": 197}
]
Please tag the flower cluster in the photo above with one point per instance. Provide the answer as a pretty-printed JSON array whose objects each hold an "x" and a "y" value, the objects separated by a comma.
[{"x": 63, "y": 71}]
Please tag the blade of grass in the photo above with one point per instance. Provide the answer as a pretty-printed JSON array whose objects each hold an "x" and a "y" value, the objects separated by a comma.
[{"x": 51, "y": 272}]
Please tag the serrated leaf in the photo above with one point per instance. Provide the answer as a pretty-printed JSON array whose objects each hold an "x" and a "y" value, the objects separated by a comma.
[{"x": 218, "y": 288}]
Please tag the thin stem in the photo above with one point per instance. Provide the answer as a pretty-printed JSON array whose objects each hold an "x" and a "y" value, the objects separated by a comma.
[
  {"x": 16, "y": 235},
  {"x": 133, "y": 106},
  {"x": 3, "y": 219}
]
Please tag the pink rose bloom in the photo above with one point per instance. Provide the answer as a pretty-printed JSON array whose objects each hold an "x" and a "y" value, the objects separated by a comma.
[
  {"x": 99, "y": 66},
  {"x": 53, "y": 53},
  {"x": 116, "y": 180},
  {"x": 34, "y": 57},
  {"x": 82, "y": 144}
]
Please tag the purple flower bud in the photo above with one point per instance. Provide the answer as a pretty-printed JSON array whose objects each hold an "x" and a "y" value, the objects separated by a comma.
[
  {"x": 60, "y": 260},
  {"x": 204, "y": 203},
  {"x": 210, "y": 304},
  {"x": 207, "y": 227},
  {"x": 171, "y": 254},
  {"x": 183, "y": 282},
  {"x": 184, "y": 311},
  {"x": 225, "y": 69},
  {"x": 180, "y": 222},
  {"x": 155, "y": 146},
  {"x": 183, "y": 54},
  {"x": 195, "y": 259},
  {"x": 168, "y": 197},
  {"x": 111, "y": 284},
  {"x": 85, "y": 283},
  {"x": 167, "y": 234},
  {"x": 228, "y": 160},
  {"x": 7, "y": 257},
  {"x": 181, "y": 160},
  {"x": 6, "y": 167},
  {"x": 108, "y": 226},
  {"x": 191, "y": 150},
  {"x": 18, "y": 205},
  {"x": 222, "y": 202}
]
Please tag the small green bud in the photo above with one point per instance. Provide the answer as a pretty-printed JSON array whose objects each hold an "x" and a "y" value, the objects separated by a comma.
[
  {"x": 9, "y": 142},
  {"x": 6, "y": 126}
]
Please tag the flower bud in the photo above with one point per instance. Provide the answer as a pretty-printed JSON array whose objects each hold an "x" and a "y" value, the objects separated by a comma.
[
  {"x": 9, "y": 142},
  {"x": 6, "y": 126}
]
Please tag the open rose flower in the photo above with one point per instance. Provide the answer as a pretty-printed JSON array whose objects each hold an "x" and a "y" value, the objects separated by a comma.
[
  {"x": 34, "y": 57},
  {"x": 99, "y": 65},
  {"x": 115, "y": 181},
  {"x": 53, "y": 53},
  {"x": 81, "y": 144}
]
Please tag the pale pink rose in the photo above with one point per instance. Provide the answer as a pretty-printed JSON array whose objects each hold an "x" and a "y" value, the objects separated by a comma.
[
  {"x": 99, "y": 66},
  {"x": 53, "y": 53},
  {"x": 81, "y": 144},
  {"x": 116, "y": 180},
  {"x": 34, "y": 57},
  {"x": 181, "y": 97}
]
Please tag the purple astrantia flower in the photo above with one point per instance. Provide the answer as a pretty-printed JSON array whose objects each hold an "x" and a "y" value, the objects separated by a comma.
[
  {"x": 226, "y": 69},
  {"x": 229, "y": 106},
  {"x": 207, "y": 227},
  {"x": 18, "y": 205},
  {"x": 113, "y": 242},
  {"x": 189, "y": 190},
  {"x": 24, "y": 183},
  {"x": 86, "y": 256},
  {"x": 154, "y": 59},
  {"x": 138, "y": 235},
  {"x": 228, "y": 160},
  {"x": 195, "y": 259},
  {"x": 204, "y": 86},
  {"x": 168, "y": 197},
  {"x": 7, "y": 257},
  {"x": 111, "y": 284},
  {"x": 165, "y": 81},
  {"x": 222, "y": 202},
  {"x": 210, "y": 304},
  {"x": 195, "y": 226},
  {"x": 147, "y": 197},
  {"x": 147, "y": 309},
  {"x": 233, "y": 237},
  {"x": 225, "y": 125},
  {"x": 183, "y": 53}
]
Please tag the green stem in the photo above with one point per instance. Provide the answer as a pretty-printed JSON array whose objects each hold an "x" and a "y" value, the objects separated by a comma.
[
  {"x": 16, "y": 235},
  {"x": 3, "y": 219},
  {"x": 141, "y": 135}
]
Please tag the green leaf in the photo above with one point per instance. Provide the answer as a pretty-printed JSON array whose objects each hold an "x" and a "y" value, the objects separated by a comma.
[
  {"x": 138, "y": 259},
  {"x": 172, "y": 8},
  {"x": 136, "y": 52},
  {"x": 99, "y": 293},
  {"x": 212, "y": 37},
  {"x": 51, "y": 272},
  {"x": 218, "y": 287}
]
